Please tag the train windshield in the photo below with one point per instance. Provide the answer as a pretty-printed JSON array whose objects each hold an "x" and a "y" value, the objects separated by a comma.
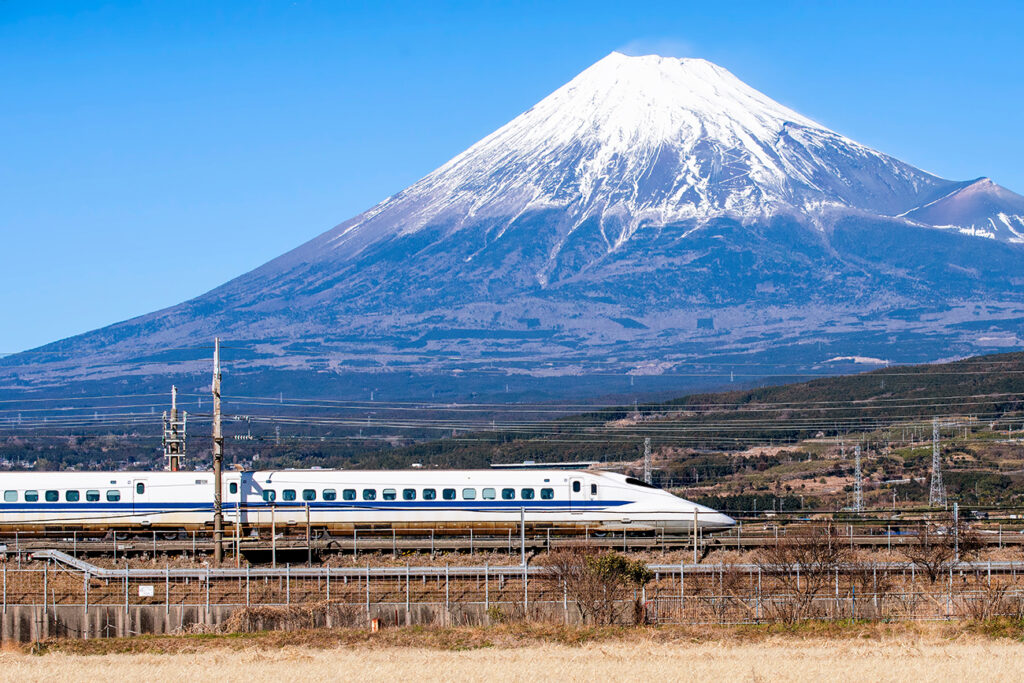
[{"x": 640, "y": 482}]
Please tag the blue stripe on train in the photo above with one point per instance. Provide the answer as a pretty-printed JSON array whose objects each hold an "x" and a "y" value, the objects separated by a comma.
[{"x": 476, "y": 506}]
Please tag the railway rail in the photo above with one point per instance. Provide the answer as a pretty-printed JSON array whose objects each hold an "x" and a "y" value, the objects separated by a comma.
[{"x": 297, "y": 547}]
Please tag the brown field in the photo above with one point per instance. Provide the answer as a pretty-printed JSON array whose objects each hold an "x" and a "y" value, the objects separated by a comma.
[{"x": 821, "y": 652}]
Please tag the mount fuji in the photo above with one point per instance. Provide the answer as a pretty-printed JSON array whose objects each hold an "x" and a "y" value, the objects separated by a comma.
[{"x": 653, "y": 218}]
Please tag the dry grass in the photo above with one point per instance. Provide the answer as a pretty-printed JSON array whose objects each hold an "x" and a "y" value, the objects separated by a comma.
[{"x": 774, "y": 657}]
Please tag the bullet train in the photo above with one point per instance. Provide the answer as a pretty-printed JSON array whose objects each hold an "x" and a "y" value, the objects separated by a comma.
[{"x": 343, "y": 500}]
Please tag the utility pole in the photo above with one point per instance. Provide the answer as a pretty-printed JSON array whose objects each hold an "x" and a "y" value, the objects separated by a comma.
[
  {"x": 218, "y": 460},
  {"x": 937, "y": 493},
  {"x": 647, "y": 460},
  {"x": 174, "y": 434},
  {"x": 858, "y": 490}
]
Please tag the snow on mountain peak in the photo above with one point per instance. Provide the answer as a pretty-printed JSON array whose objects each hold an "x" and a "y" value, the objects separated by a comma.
[{"x": 648, "y": 140}]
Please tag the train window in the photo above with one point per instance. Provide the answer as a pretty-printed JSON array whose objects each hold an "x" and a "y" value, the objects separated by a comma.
[
  {"x": 92, "y": 495},
  {"x": 448, "y": 494},
  {"x": 269, "y": 495},
  {"x": 593, "y": 489},
  {"x": 288, "y": 494},
  {"x": 331, "y": 494},
  {"x": 233, "y": 487},
  {"x": 389, "y": 494},
  {"x": 71, "y": 496},
  {"x": 508, "y": 494},
  {"x": 576, "y": 486},
  {"x": 487, "y": 494},
  {"x": 348, "y": 494},
  {"x": 10, "y": 496},
  {"x": 408, "y": 494},
  {"x": 52, "y": 496},
  {"x": 140, "y": 488},
  {"x": 308, "y": 494},
  {"x": 429, "y": 494},
  {"x": 527, "y": 494},
  {"x": 369, "y": 494},
  {"x": 468, "y": 494},
  {"x": 31, "y": 496},
  {"x": 547, "y": 494},
  {"x": 113, "y": 496}
]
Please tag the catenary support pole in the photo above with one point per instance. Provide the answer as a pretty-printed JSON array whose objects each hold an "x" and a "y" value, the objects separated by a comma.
[
  {"x": 218, "y": 460},
  {"x": 522, "y": 536}
]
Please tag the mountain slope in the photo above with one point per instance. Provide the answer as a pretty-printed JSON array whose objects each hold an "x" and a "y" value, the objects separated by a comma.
[{"x": 649, "y": 215}]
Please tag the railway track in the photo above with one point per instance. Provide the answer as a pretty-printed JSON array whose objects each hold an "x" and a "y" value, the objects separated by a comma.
[{"x": 297, "y": 547}]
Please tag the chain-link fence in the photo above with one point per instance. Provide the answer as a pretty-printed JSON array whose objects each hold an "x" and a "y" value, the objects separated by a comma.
[{"x": 676, "y": 594}]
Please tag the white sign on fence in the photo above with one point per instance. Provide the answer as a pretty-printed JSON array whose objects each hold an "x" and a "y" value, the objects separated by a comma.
[{"x": 145, "y": 591}]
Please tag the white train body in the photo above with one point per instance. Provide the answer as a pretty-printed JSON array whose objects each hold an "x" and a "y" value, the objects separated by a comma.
[{"x": 344, "y": 499}]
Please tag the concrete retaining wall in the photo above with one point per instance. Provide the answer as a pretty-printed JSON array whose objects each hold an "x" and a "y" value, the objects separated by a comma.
[{"x": 26, "y": 623}]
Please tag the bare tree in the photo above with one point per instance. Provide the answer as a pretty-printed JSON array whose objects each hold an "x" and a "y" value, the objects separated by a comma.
[
  {"x": 935, "y": 545},
  {"x": 874, "y": 585},
  {"x": 600, "y": 585},
  {"x": 801, "y": 565}
]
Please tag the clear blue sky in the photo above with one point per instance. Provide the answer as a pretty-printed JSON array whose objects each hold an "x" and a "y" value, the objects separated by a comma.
[{"x": 150, "y": 151}]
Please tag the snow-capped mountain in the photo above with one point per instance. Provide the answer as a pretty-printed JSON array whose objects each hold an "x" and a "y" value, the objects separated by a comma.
[
  {"x": 650, "y": 214},
  {"x": 636, "y": 140}
]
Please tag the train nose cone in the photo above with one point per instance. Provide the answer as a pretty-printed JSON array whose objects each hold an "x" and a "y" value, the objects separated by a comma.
[{"x": 720, "y": 521}]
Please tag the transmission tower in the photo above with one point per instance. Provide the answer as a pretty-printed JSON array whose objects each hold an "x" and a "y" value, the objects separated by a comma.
[
  {"x": 647, "y": 460},
  {"x": 858, "y": 489},
  {"x": 937, "y": 494}
]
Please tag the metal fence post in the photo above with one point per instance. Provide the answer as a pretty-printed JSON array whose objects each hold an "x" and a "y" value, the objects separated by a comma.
[
  {"x": 837, "y": 592},
  {"x": 447, "y": 597},
  {"x": 758, "y": 592},
  {"x": 682, "y": 595},
  {"x": 408, "y": 619},
  {"x": 126, "y": 589},
  {"x": 246, "y": 585},
  {"x": 167, "y": 589},
  {"x": 949, "y": 593},
  {"x": 526, "y": 592},
  {"x": 328, "y": 583},
  {"x": 207, "y": 590},
  {"x": 367, "y": 592},
  {"x": 487, "y": 586},
  {"x": 288, "y": 583},
  {"x": 565, "y": 601},
  {"x": 85, "y": 591}
]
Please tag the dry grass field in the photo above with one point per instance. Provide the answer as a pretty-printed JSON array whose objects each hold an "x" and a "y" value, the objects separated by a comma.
[{"x": 918, "y": 653}]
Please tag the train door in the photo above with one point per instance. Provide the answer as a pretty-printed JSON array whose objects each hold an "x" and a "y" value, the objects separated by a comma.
[
  {"x": 141, "y": 498},
  {"x": 581, "y": 491},
  {"x": 577, "y": 495},
  {"x": 233, "y": 508}
]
